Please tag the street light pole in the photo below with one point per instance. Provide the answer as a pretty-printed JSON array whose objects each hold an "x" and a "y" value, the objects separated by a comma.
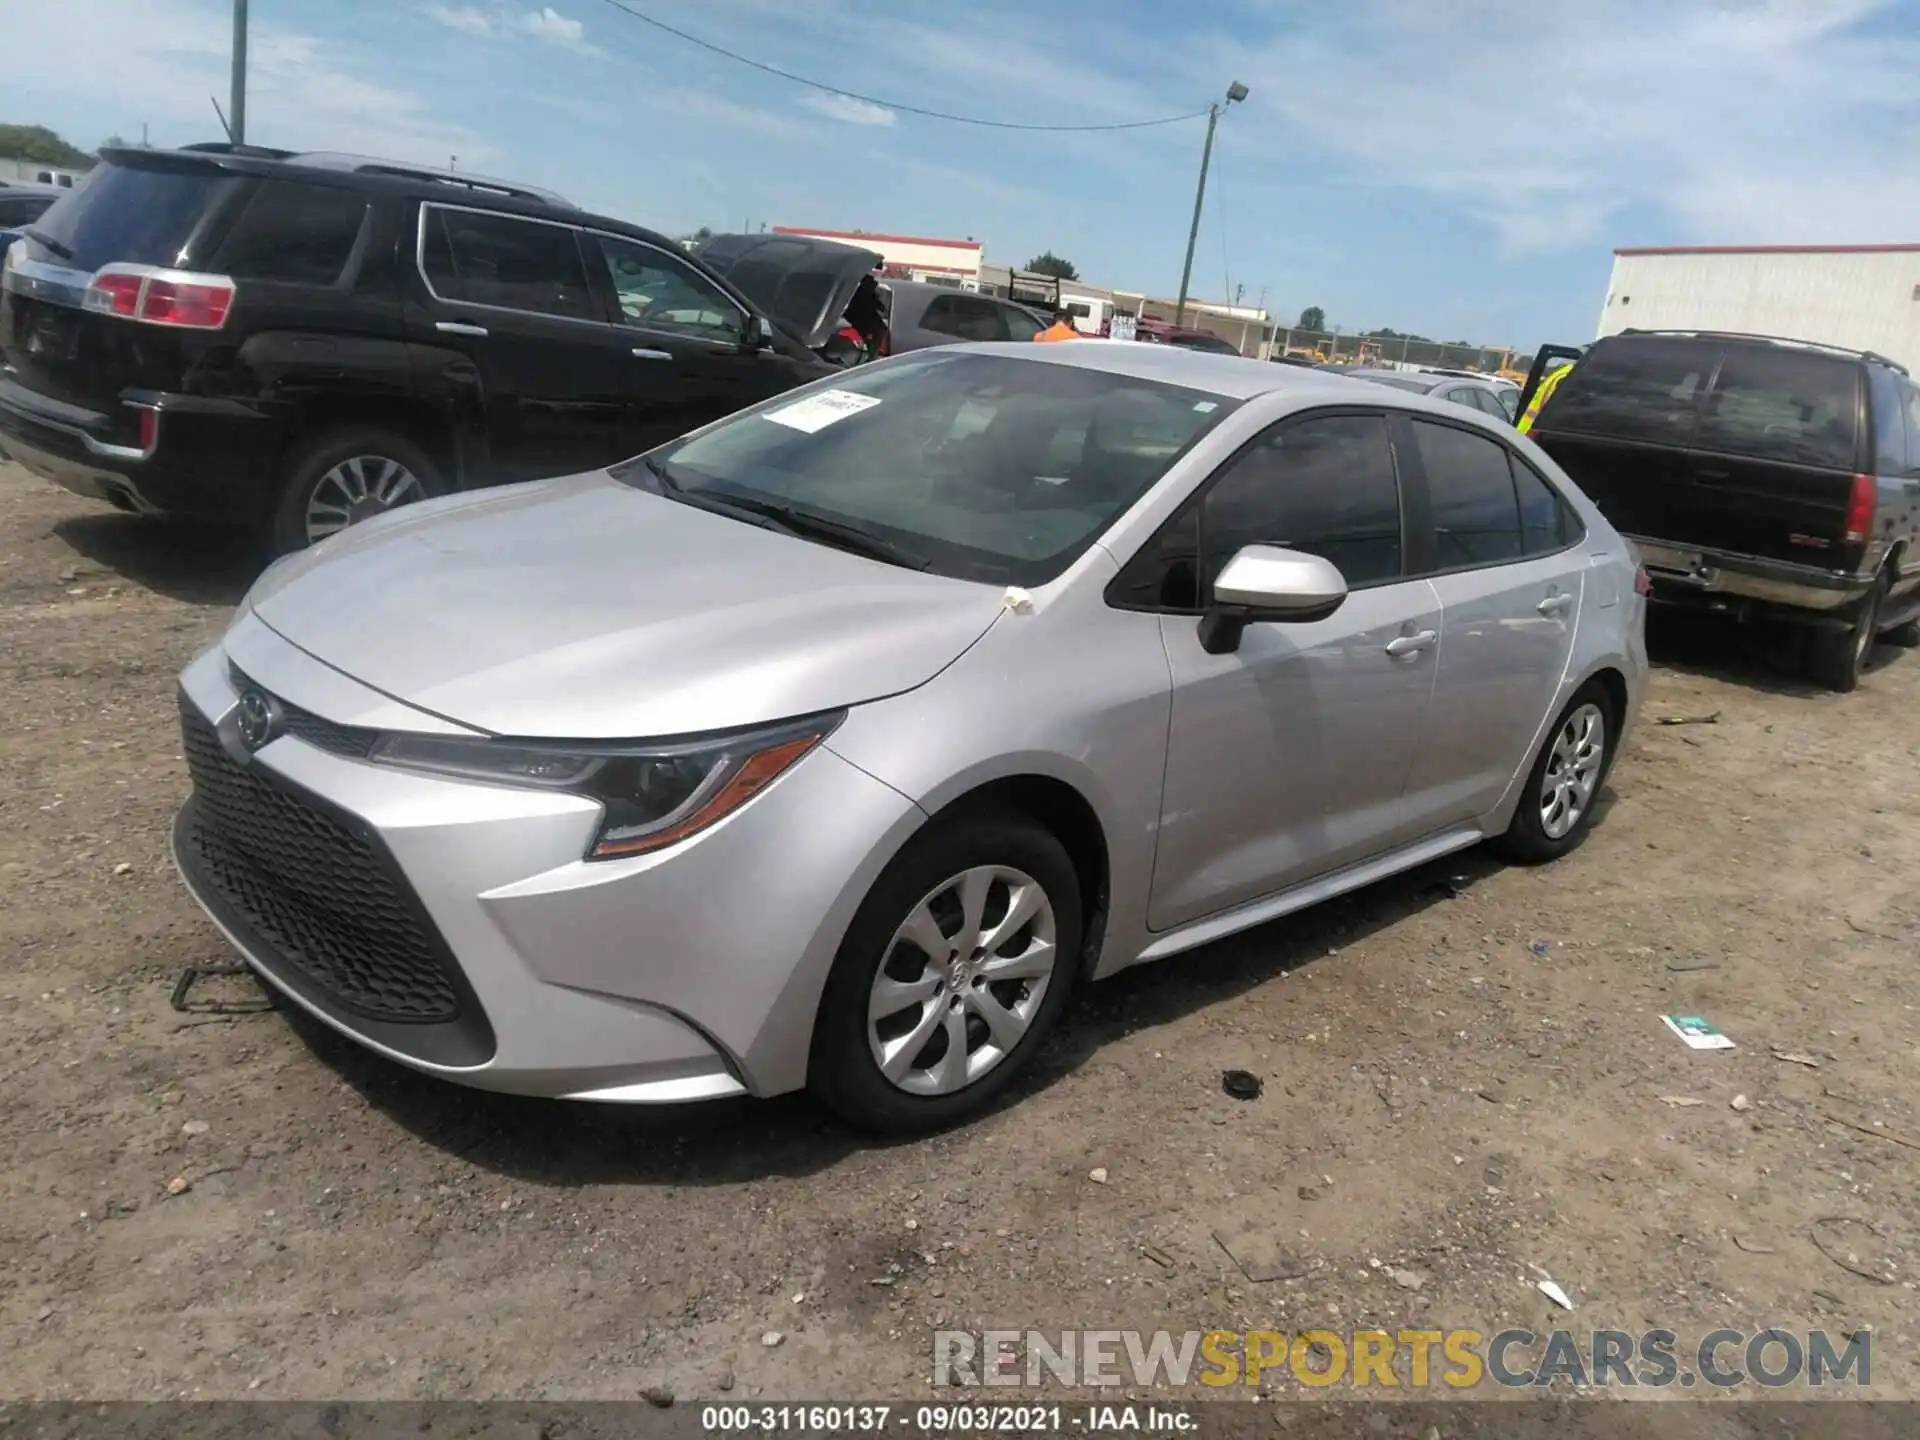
[
  {"x": 237, "y": 101},
  {"x": 1235, "y": 91}
]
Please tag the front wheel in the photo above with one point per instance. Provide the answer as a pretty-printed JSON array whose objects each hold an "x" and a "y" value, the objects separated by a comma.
[
  {"x": 1557, "y": 805},
  {"x": 955, "y": 968},
  {"x": 345, "y": 476}
]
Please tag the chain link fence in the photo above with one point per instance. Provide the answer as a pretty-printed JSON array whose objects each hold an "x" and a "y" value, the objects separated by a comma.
[{"x": 1394, "y": 350}]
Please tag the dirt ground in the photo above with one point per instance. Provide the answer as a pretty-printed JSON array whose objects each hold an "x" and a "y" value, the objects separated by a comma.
[{"x": 1466, "y": 1078}]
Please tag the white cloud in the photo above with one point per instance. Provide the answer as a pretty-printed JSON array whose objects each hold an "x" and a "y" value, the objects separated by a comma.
[
  {"x": 466, "y": 18},
  {"x": 548, "y": 23},
  {"x": 1763, "y": 120},
  {"x": 848, "y": 110}
]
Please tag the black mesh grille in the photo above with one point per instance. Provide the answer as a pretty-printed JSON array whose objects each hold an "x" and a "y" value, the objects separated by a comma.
[{"x": 316, "y": 892}]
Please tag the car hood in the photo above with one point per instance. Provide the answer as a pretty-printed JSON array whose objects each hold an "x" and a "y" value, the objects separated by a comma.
[
  {"x": 802, "y": 283},
  {"x": 583, "y": 608}
]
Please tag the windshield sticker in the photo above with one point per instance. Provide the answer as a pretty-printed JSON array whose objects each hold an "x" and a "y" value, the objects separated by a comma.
[
  {"x": 816, "y": 412},
  {"x": 1205, "y": 407}
]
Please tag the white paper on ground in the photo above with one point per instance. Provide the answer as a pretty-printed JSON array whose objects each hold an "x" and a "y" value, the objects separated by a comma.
[
  {"x": 816, "y": 412},
  {"x": 1554, "y": 1293},
  {"x": 1696, "y": 1033}
]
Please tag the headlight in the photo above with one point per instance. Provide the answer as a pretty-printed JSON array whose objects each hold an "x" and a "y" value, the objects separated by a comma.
[{"x": 654, "y": 795}]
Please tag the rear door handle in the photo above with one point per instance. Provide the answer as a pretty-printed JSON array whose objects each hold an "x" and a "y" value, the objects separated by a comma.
[
  {"x": 459, "y": 327},
  {"x": 1412, "y": 644},
  {"x": 641, "y": 353},
  {"x": 1555, "y": 605}
]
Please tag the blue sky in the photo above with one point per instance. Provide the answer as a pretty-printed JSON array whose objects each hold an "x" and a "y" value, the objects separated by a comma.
[{"x": 1461, "y": 168}]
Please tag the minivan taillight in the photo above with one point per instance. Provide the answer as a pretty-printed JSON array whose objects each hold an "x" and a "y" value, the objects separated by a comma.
[
  {"x": 147, "y": 293},
  {"x": 1861, "y": 501}
]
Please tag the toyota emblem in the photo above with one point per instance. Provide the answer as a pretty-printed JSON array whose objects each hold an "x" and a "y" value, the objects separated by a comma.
[{"x": 258, "y": 720}]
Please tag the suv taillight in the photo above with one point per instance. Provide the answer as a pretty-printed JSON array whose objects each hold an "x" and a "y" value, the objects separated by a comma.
[
  {"x": 1642, "y": 582},
  {"x": 1861, "y": 501},
  {"x": 147, "y": 293}
]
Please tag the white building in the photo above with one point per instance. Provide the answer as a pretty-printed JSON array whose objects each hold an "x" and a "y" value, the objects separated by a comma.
[
  {"x": 1863, "y": 297},
  {"x": 909, "y": 257}
]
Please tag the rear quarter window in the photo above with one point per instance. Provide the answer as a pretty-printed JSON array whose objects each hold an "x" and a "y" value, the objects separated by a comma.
[
  {"x": 1786, "y": 405},
  {"x": 137, "y": 216},
  {"x": 295, "y": 233},
  {"x": 1633, "y": 390}
]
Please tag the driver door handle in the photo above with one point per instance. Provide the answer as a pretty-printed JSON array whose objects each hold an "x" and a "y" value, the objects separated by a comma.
[
  {"x": 1412, "y": 644},
  {"x": 1555, "y": 605},
  {"x": 459, "y": 327},
  {"x": 642, "y": 353}
]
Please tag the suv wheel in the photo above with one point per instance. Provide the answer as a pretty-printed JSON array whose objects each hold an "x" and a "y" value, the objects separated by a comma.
[
  {"x": 1557, "y": 806},
  {"x": 1839, "y": 657},
  {"x": 955, "y": 968},
  {"x": 342, "y": 477}
]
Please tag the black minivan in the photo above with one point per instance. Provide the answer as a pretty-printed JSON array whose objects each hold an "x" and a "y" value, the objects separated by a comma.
[
  {"x": 1756, "y": 475},
  {"x": 295, "y": 342}
]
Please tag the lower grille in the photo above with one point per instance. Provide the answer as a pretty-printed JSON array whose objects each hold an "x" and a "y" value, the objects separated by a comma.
[{"x": 321, "y": 896}]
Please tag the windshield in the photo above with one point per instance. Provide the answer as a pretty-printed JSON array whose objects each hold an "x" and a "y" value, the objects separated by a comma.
[{"x": 990, "y": 468}]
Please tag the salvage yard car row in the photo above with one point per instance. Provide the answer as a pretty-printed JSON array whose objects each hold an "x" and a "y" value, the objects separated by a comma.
[{"x": 836, "y": 738}]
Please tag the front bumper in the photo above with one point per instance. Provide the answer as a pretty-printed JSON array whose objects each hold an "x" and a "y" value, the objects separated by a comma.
[{"x": 690, "y": 974}]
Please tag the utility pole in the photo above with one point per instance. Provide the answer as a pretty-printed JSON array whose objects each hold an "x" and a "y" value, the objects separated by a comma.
[
  {"x": 237, "y": 100},
  {"x": 1235, "y": 91}
]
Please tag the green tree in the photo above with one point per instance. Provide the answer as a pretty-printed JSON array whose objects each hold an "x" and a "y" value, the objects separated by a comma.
[
  {"x": 39, "y": 144},
  {"x": 1048, "y": 263},
  {"x": 1313, "y": 318},
  {"x": 698, "y": 237}
]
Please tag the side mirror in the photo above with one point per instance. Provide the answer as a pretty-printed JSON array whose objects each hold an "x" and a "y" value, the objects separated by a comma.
[
  {"x": 1269, "y": 582},
  {"x": 756, "y": 336}
]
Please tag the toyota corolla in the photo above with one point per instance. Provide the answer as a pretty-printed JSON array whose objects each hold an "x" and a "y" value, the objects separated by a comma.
[{"x": 834, "y": 744}]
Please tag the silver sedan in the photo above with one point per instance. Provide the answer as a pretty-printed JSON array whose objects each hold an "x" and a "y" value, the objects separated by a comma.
[{"x": 833, "y": 745}]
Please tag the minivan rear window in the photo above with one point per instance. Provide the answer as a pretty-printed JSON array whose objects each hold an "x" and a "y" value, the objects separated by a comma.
[
  {"x": 133, "y": 215},
  {"x": 1633, "y": 390},
  {"x": 1784, "y": 405}
]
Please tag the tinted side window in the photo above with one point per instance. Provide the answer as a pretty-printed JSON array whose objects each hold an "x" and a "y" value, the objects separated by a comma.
[
  {"x": 1476, "y": 518},
  {"x": 1633, "y": 390},
  {"x": 1784, "y": 405},
  {"x": 1547, "y": 523},
  {"x": 1020, "y": 325},
  {"x": 965, "y": 317},
  {"x": 1886, "y": 394},
  {"x": 514, "y": 264},
  {"x": 22, "y": 209},
  {"x": 658, "y": 292},
  {"x": 942, "y": 315},
  {"x": 1462, "y": 395},
  {"x": 1325, "y": 486},
  {"x": 298, "y": 233}
]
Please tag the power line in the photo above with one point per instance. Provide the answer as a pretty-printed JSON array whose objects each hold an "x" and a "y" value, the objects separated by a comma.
[{"x": 765, "y": 68}]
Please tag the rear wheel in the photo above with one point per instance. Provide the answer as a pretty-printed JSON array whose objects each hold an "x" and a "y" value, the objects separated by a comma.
[
  {"x": 342, "y": 477},
  {"x": 957, "y": 965},
  {"x": 1839, "y": 657},
  {"x": 1565, "y": 781}
]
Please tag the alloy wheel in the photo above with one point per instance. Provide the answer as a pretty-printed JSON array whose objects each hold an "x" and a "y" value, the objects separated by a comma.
[
  {"x": 1573, "y": 770},
  {"x": 962, "y": 980},
  {"x": 357, "y": 489}
]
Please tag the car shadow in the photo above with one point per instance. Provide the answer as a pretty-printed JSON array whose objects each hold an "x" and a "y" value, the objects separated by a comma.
[
  {"x": 195, "y": 564},
  {"x": 730, "y": 1142},
  {"x": 1767, "y": 655}
]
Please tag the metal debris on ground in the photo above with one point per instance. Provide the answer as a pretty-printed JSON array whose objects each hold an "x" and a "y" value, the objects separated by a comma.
[
  {"x": 1687, "y": 967},
  {"x": 1240, "y": 1084},
  {"x": 1794, "y": 1057},
  {"x": 1680, "y": 1101},
  {"x": 1846, "y": 1259},
  {"x": 194, "y": 974},
  {"x": 1712, "y": 719},
  {"x": 1157, "y": 1256},
  {"x": 1751, "y": 1247},
  {"x": 1879, "y": 1132}
]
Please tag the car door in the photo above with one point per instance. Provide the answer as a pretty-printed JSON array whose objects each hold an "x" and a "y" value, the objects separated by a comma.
[
  {"x": 1503, "y": 551},
  {"x": 1287, "y": 757},
  {"x": 685, "y": 356},
  {"x": 505, "y": 316}
]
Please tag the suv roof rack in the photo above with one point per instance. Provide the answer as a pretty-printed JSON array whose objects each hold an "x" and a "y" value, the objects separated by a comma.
[
  {"x": 482, "y": 184},
  {"x": 1872, "y": 355}
]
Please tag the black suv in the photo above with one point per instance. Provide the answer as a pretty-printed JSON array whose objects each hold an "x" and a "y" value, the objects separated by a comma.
[
  {"x": 295, "y": 342},
  {"x": 1756, "y": 475}
]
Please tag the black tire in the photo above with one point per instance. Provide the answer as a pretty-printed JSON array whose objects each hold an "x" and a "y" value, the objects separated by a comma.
[
  {"x": 1906, "y": 635},
  {"x": 311, "y": 460},
  {"x": 1527, "y": 841},
  {"x": 842, "y": 1070},
  {"x": 1838, "y": 658}
]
